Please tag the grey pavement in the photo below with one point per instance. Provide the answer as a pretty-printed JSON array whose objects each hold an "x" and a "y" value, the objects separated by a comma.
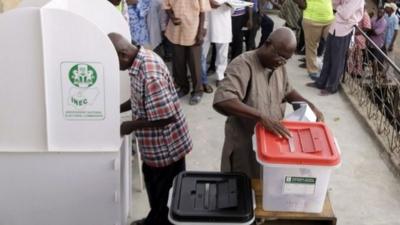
[{"x": 363, "y": 190}]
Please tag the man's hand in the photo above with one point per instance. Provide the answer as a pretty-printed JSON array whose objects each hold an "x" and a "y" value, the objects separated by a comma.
[
  {"x": 390, "y": 48},
  {"x": 200, "y": 37},
  {"x": 249, "y": 24},
  {"x": 125, "y": 128},
  {"x": 318, "y": 114},
  {"x": 176, "y": 21},
  {"x": 275, "y": 127}
]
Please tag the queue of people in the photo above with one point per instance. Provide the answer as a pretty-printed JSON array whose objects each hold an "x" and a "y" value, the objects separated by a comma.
[{"x": 253, "y": 88}]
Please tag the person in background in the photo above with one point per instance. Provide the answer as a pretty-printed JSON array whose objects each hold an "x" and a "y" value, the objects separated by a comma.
[
  {"x": 392, "y": 26},
  {"x": 348, "y": 14},
  {"x": 291, "y": 13},
  {"x": 317, "y": 18},
  {"x": 137, "y": 12},
  {"x": 157, "y": 121},
  {"x": 185, "y": 30},
  {"x": 266, "y": 24},
  {"x": 156, "y": 23},
  {"x": 358, "y": 51},
  {"x": 219, "y": 32},
  {"x": 241, "y": 17},
  {"x": 255, "y": 89},
  {"x": 250, "y": 34},
  {"x": 377, "y": 35},
  {"x": 121, "y": 7}
]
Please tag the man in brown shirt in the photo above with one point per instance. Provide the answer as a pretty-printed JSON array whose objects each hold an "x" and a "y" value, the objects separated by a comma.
[
  {"x": 255, "y": 89},
  {"x": 185, "y": 30}
]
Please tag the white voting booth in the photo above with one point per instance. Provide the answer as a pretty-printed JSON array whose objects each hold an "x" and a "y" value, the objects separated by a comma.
[{"x": 62, "y": 160}]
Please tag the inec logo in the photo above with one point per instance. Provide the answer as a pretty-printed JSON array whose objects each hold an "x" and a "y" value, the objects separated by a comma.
[{"x": 82, "y": 75}]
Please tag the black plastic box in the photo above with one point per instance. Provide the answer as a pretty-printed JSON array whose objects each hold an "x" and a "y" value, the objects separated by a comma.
[{"x": 210, "y": 197}]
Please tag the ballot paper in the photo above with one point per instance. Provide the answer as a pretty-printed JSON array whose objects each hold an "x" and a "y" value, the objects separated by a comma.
[
  {"x": 302, "y": 113},
  {"x": 239, "y": 4}
]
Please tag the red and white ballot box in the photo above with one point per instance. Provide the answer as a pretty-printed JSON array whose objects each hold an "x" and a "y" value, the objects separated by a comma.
[{"x": 296, "y": 171}]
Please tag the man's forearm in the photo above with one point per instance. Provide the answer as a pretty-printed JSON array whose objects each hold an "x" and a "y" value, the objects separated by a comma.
[
  {"x": 234, "y": 107},
  {"x": 126, "y": 106},
  {"x": 170, "y": 13},
  {"x": 129, "y": 126},
  {"x": 201, "y": 24}
]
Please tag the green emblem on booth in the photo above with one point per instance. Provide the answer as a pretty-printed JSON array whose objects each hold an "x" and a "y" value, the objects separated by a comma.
[{"x": 82, "y": 75}]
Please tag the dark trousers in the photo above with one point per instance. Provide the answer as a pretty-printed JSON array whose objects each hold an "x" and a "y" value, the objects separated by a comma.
[
  {"x": 158, "y": 182},
  {"x": 250, "y": 35},
  {"x": 238, "y": 22},
  {"x": 334, "y": 62},
  {"x": 267, "y": 26},
  {"x": 184, "y": 56}
]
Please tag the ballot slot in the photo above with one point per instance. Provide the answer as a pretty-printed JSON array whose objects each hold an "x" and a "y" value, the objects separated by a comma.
[
  {"x": 210, "y": 197},
  {"x": 215, "y": 195}
]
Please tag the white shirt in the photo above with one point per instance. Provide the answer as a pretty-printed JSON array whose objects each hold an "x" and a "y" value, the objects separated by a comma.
[{"x": 219, "y": 24}]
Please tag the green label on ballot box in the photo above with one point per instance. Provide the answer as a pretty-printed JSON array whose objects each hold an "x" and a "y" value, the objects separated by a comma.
[{"x": 299, "y": 185}]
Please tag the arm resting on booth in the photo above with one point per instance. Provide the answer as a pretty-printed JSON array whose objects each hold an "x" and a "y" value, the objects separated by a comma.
[
  {"x": 129, "y": 126},
  {"x": 126, "y": 106}
]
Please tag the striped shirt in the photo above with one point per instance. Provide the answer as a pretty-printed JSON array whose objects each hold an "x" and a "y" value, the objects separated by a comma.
[{"x": 153, "y": 97}]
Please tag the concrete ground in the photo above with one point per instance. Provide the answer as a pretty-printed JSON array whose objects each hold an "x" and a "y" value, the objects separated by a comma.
[{"x": 363, "y": 190}]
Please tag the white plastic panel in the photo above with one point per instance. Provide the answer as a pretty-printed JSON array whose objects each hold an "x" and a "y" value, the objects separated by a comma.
[
  {"x": 82, "y": 115},
  {"x": 94, "y": 11},
  {"x": 59, "y": 189},
  {"x": 22, "y": 114}
]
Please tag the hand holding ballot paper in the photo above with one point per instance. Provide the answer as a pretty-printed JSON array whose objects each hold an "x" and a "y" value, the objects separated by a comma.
[{"x": 239, "y": 4}]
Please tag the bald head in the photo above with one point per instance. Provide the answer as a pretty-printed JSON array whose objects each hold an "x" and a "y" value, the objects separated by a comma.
[
  {"x": 278, "y": 48},
  {"x": 126, "y": 51},
  {"x": 283, "y": 38},
  {"x": 119, "y": 42}
]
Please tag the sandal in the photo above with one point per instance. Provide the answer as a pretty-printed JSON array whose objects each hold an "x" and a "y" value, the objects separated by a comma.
[
  {"x": 207, "y": 88},
  {"x": 195, "y": 98}
]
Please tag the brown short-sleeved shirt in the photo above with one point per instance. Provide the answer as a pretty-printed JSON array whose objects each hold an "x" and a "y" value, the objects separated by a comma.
[
  {"x": 188, "y": 11},
  {"x": 251, "y": 83}
]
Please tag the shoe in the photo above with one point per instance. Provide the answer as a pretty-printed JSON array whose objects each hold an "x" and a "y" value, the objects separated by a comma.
[
  {"x": 211, "y": 69},
  {"x": 217, "y": 83},
  {"x": 182, "y": 92},
  {"x": 195, "y": 98},
  {"x": 313, "y": 76},
  {"x": 138, "y": 222},
  {"x": 303, "y": 65},
  {"x": 312, "y": 85},
  {"x": 302, "y": 60},
  {"x": 301, "y": 52},
  {"x": 207, "y": 88}
]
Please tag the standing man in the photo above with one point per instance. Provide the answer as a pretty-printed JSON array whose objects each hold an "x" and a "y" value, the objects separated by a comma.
[
  {"x": 377, "y": 34},
  {"x": 317, "y": 17},
  {"x": 185, "y": 30},
  {"x": 266, "y": 23},
  {"x": 158, "y": 123},
  {"x": 392, "y": 26},
  {"x": 219, "y": 32},
  {"x": 255, "y": 89},
  {"x": 348, "y": 14}
]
